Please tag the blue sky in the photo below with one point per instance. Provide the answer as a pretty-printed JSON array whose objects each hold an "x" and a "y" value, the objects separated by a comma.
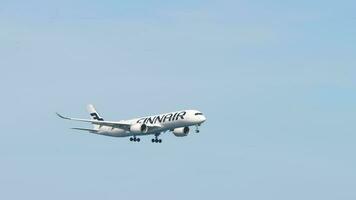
[{"x": 275, "y": 79}]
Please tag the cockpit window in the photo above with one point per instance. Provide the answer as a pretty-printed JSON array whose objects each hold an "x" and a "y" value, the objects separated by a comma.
[{"x": 198, "y": 113}]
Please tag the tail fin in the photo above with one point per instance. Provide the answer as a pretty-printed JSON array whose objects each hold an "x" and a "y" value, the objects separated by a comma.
[{"x": 94, "y": 115}]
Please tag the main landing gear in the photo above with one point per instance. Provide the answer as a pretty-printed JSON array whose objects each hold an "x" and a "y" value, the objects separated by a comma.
[
  {"x": 134, "y": 139},
  {"x": 156, "y": 140}
]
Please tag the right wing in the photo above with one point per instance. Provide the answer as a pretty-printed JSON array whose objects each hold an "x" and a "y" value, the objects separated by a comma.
[{"x": 85, "y": 129}]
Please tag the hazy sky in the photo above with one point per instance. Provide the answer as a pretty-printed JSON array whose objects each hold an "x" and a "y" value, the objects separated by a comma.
[{"x": 275, "y": 79}]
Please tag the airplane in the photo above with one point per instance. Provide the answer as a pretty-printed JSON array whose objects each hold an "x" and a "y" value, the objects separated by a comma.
[{"x": 176, "y": 122}]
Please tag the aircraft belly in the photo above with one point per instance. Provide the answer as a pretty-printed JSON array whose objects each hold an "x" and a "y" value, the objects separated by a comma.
[
  {"x": 114, "y": 132},
  {"x": 117, "y": 132},
  {"x": 168, "y": 126}
]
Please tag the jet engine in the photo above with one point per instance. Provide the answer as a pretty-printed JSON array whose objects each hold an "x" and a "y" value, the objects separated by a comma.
[
  {"x": 138, "y": 128},
  {"x": 181, "y": 132}
]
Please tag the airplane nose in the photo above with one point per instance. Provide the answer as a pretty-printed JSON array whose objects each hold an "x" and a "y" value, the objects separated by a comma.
[{"x": 203, "y": 119}]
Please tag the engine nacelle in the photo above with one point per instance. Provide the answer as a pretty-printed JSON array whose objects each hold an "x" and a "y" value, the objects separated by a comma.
[
  {"x": 139, "y": 128},
  {"x": 181, "y": 132}
]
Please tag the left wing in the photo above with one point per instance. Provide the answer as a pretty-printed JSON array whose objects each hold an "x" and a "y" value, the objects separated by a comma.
[
  {"x": 97, "y": 122},
  {"x": 120, "y": 124}
]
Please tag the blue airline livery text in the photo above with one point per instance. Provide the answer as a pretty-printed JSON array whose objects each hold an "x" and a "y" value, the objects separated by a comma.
[{"x": 163, "y": 118}]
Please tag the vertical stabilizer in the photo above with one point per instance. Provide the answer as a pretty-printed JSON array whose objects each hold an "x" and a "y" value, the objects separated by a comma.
[{"x": 94, "y": 115}]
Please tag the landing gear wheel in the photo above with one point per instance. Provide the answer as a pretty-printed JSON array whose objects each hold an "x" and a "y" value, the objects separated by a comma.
[
  {"x": 197, "y": 128},
  {"x": 156, "y": 140},
  {"x": 134, "y": 139}
]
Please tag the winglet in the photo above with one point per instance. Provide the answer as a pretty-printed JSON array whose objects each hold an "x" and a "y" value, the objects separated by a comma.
[{"x": 61, "y": 116}]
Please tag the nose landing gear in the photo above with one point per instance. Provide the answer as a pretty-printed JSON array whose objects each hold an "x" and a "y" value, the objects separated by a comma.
[{"x": 197, "y": 128}]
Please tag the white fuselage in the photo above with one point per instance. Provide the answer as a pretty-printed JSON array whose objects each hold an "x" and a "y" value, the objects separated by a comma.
[{"x": 165, "y": 122}]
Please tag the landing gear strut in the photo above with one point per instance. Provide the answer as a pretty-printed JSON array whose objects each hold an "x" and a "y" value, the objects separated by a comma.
[
  {"x": 156, "y": 140},
  {"x": 135, "y": 139},
  {"x": 197, "y": 128}
]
